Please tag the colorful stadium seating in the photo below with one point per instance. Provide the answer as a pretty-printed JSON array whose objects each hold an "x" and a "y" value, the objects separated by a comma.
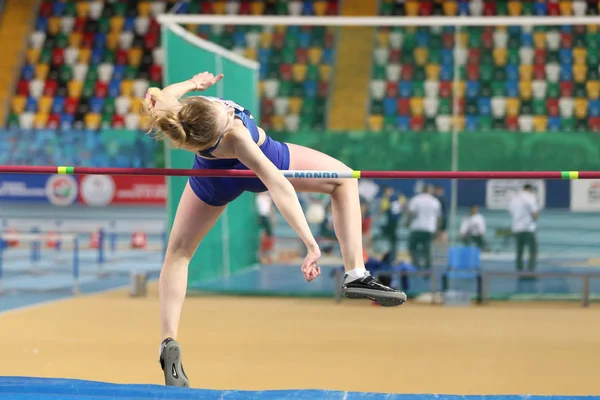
[
  {"x": 89, "y": 62},
  {"x": 530, "y": 79}
]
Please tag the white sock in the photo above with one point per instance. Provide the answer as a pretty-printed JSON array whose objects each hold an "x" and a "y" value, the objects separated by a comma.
[{"x": 355, "y": 274}]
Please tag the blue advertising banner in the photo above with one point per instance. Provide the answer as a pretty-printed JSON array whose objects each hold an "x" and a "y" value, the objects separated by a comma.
[{"x": 60, "y": 190}]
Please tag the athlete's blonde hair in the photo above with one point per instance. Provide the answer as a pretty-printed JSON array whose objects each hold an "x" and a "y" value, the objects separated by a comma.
[{"x": 195, "y": 125}]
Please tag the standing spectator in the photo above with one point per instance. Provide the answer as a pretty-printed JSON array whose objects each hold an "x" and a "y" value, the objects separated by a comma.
[
  {"x": 524, "y": 211},
  {"x": 472, "y": 229},
  {"x": 264, "y": 205},
  {"x": 391, "y": 207},
  {"x": 366, "y": 224},
  {"x": 441, "y": 235},
  {"x": 424, "y": 218}
]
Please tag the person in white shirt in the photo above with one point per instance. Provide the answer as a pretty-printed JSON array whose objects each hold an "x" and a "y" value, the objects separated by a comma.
[
  {"x": 472, "y": 228},
  {"x": 264, "y": 207},
  {"x": 524, "y": 211},
  {"x": 424, "y": 218}
]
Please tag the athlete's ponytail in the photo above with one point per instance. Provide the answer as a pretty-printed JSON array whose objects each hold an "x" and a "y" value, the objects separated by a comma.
[{"x": 195, "y": 124}]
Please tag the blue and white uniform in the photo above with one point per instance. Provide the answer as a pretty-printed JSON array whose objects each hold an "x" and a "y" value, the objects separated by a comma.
[{"x": 220, "y": 191}]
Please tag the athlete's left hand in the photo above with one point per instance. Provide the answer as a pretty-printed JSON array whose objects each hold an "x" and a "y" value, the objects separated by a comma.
[
  {"x": 309, "y": 268},
  {"x": 204, "y": 80}
]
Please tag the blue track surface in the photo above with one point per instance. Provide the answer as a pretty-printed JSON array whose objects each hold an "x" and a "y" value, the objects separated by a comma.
[{"x": 20, "y": 388}]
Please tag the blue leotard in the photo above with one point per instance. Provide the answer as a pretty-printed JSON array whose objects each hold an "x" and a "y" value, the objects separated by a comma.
[{"x": 220, "y": 191}]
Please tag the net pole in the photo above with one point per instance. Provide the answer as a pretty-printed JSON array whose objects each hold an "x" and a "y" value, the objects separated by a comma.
[{"x": 454, "y": 166}]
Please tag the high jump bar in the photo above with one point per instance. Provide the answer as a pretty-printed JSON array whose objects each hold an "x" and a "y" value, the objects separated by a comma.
[{"x": 302, "y": 174}]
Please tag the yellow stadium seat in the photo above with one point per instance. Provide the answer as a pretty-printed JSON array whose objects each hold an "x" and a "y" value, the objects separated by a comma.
[
  {"x": 144, "y": 8},
  {"x": 432, "y": 72},
  {"x": 41, "y": 119},
  {"x": 458, "y": 122},
  {"x": 116, "y": 24},
  {"x": 135, "y": 56},
  {"x": 112, "y": 40},
  {"x": 92, "y": 120},
  {"x": 412, "y": 8},
  {"x": 261, "y": 88},
  {"x": 525, "y": 72},
  {"x": 512, "y": 106},
  {"x": 579, "y": 55},
  {"x": 459, "y": 90},
  {"x": 540, "y": 123},
  {"x": 44, "y": 104},
  {"x": 53, "y": 25},
  {"x": 325, "y": 73},
  {"x": 257, "y": 8},
  {"x": 315, "y": 54},
  {"x": 219, "y": 7},
  {"x": 593, "y": 89},
  {"x": 500, "y": 57},
  {"x": 281, "y": 29},
  {"x": 526, "y": 90},
  {"x": 75, "y": 39},
  {"x": 33, "y": 55},
  {"x": 539, "y": 40},
  {"x": 74, "y": 88},
  {"x": 82, "y": 8},
  {"x": 320, "y": 8},
  {"x": 278, "y": 122},
  {"x": 416, "y": 106},
  {"x": 383, "y": 39},
  {"x": 579, "y": 73},
  {"x": 266, "y": 39},
  {"x": 136, "y": 105},
  {"x": 450, "y": 8},
  {"x": 18, "y": 104},
  {"x": 592, "y": 28},
  {"x": 581, "y": 107},
  {"x": 84, "y": 55},
  {"x": 421, "y": 54},
  {"x": 299, "y": 72},
  {"x": 375, "y": 123},
  {"x": 295, "y": 105},
  {"x": 566, "y": 7},
  {"x": 41, "y": 71},
  {"x": 515, "y": 8},
  {"x": 250, "y": 53},
  {"x": 145, "y": 122},
  {"x": 127, "y": 87},
  {"x": 463, "y": 40}
]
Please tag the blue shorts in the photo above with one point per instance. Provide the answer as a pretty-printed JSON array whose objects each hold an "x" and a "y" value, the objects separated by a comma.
[{"x": 220, "y": 191}]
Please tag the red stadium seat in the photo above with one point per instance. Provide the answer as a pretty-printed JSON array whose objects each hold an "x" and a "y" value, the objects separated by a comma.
[
  {"x": 286, "y": 71},
  {"x": 404, "y": 106},
  {"x": 394, "y": 56},
  {"x": 512, "y": 122},
  {"x": 407, "y": 72},
  {"x": 53, "y": 121},
  {"x": 417, "y": 123},
  {"x": 539, "y": 72},
  {"x": 489, "y": 8},
  {"x": 391, "y": 89},
  {"x": 101, "y": 89},
  {"x": 50, "y": 87},
  {"x": 58, "y": 56},
  {"x": 323, "y": 89},
  {"x": 71, "y": 105},
  {"x": 79, "y": 26},
  {"x": 23, "y": 88},
  {"x": 151, "y": 40},
  {"x": 552, "y": 107},
  {"x": 472, "y": 72},
  {"x": 566, "y": 89},
  {"x": 445, "y": 89},
  {"x": 594, "y": 124},
  {"x": 539, "y": 56},
  {"x": 118, "y": 121},
  {"x": 121, "y": 57},
  {"x": 566, "y": 40},
  {"x": 267, "y": 106},
  {"x": 425, "y": 8},
  {"x": 301, "y": 56},
  {"x": 553, "y": 9},
  {"x": 473, "y": 56},
  {"x": 155, "y": 72},
  {"x": 46, "y": 9}
]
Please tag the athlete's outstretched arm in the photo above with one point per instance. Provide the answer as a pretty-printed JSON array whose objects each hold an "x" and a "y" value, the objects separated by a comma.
[
  {"x": 199, "y": 82},
  {"x": 283, "y": 194}
]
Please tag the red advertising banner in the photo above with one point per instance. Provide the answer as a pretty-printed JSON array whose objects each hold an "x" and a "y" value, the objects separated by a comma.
[{"x": 104, "y": 190}]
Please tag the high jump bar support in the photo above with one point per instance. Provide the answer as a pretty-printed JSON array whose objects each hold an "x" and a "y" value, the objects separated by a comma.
[{"x": 301, "y": 174}]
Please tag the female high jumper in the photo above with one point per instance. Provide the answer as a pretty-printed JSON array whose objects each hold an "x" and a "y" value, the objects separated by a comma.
[{"x": 224, "y": 135}]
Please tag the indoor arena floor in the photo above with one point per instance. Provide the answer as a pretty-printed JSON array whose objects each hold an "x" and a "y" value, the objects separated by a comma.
[{"x": 271, "y": 343}]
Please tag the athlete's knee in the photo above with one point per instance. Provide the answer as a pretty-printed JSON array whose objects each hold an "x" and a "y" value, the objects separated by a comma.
[{"x": 180, "y": 249}]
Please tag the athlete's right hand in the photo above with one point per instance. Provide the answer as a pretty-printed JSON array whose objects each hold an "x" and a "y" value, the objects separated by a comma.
[
  {"x": 204, "y": 80},
  {"x": 309, "y": 268}
]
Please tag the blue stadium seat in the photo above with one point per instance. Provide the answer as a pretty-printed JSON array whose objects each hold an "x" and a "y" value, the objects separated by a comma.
[
  {"x": 28, "y": 72},
  {"x": 96, "y": 104},
  {"x": 566, "y": 56},
  {"x": 405, "y": 88},
  {"x": 403, "y": 123},
  {"x": 304, "y": 39},
  {"x": 307, "y": 7},
  {"x": 100, "y": 40},
  {"x": 263, "y": 56},
  {"x": 512, "y": 72},
  {"x": 594, "y": 108},
  {"x": 183, "y": 7},
  {"x": 554, "y": 124},
  {"x": 485, "y": 106},
  {"x": 512, "y": 88},
  {"x": 566, "y": 28},
  {"x": 41, "y": 24},
  {"x": 31, "y": 104},
  {"x": 389, "y": 106},
  {"x": 526, "y": 39},
  {"x": 129, "y": 24},
  {"x": 58, "y": 8},
  {"x": 446, "y": 72},
  {"x": 327, "y": 56},
  {"x": 472, "y": 89},
  {"x": 118, "y": 72},
  {"x": 422, "y": 38},
  {"x": 114, "y": 87},
  {"x": 58, "y": 104},
  {"x": 471, "y": 123},
  {"x": 566, "y": 72},
  {"x": 540, "y": 8},
  {"x": 310, "y": 88},
  {"x": 447, "y": 57},
  {"x": 97, "y": 55}
]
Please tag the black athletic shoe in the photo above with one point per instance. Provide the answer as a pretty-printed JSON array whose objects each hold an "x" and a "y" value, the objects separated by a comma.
[
  {"x": 368, "y": 287},
  {"x": 170, "y": 362}
]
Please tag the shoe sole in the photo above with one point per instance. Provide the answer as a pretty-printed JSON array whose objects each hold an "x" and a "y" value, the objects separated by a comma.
[
  {"x": 385, "y": 299},
  {"x": 174, "y": 375}
]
